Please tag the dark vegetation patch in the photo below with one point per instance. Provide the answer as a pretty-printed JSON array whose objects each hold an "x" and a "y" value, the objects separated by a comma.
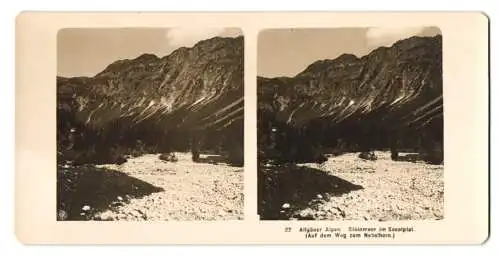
[{"x": 84, "y": 144}]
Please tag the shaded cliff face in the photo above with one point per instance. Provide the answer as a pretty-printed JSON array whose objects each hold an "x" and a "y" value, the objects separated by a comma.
[
  {"x": 157, "y": 103},
  {"x": 391, "y": 97}
]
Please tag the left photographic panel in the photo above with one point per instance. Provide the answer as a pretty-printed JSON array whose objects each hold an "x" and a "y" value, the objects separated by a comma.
[{"x": 150, "y": 124}]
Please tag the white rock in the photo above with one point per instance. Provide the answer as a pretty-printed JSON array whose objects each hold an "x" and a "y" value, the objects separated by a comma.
[
  {"x": 285, "y": 206},
  {"x": 119, "y": 198},
  {"x": 319, "y": 196},
  {"x": 107, "y": 215},
  {"x": 86, "y": 208},
  {"x": 62, "y": 215}
]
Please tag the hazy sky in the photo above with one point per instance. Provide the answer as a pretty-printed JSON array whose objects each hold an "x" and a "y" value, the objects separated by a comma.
[
  {"x": 286, "y": 52},
  {"x": 86, "y": 52}
]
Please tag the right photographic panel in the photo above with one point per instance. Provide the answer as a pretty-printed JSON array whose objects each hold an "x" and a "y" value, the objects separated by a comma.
[{"x": 350, "y": 124}]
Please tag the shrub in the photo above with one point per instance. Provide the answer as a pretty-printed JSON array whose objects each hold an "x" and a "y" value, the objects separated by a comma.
[
  {"x": 169, "y": 157},
  {"x": 368, "y": 156}
]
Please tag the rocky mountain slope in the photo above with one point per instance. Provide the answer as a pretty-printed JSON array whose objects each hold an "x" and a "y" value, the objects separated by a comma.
[
  {"x": 390, "y": 98},
  {"x": 190, "y": 98}
]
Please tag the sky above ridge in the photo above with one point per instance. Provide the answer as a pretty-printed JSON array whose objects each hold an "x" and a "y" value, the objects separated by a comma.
[
  {"x": 287, "y": 52},
  {"x": 87, "y": 51},
  {"x": 281, "y": 52}
]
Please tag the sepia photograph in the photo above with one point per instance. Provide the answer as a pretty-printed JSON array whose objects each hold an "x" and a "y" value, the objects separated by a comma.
[
  {"x": 150, "y": 124},
  {"x": 184, "y": 128},
  {"x": 350, "y": 124}
]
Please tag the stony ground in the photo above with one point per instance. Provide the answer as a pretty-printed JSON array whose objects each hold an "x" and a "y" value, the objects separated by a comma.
[
  {"x": 147, "y": 188},
  {"x": 349, "y": 188}
]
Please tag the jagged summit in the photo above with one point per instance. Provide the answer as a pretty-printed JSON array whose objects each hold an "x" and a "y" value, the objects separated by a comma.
[
  {"x": 147, "y": 57},
  {"x": 218, "y": 39}
]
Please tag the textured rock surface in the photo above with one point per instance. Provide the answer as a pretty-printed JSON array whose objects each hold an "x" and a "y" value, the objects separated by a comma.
[
  {"x": 380, "y": 100},
  {"x": 349, "y": 188},
  {"x": 147, "y": 188}
]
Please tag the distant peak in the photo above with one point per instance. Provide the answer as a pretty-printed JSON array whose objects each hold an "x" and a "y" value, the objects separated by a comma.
[
  {"x": 346, "y": 57},
  {"x": 203, "y": 43},
  {"x": 147, "y": 56},
  {"x": 218, "y": 39},
  {"x": 417, "y": 38}
]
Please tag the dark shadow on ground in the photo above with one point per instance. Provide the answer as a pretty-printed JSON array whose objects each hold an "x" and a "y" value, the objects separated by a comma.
[
  {"x": 217, "y": 159},
  {"x": 428, "y": 157},
  {"x": 297, "y": 186},
  {"x": 98, "y": 188},
  {"x": 213, "y": 159},
  {"x": 413, "y": 157}
]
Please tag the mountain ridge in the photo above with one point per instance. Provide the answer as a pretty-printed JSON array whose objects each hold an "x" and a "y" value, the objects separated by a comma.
[
  {"x": 391, "y": 90},
  {"x": 187, "y": 92},
  {"x": 351, "y": 55}
]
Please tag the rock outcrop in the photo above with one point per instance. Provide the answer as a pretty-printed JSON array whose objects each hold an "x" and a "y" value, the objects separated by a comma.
[{"x": 391, "y": 98}]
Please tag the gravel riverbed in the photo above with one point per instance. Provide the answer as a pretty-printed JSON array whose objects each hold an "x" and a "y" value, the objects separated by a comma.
[
  {"x": 349, "y": 188},
  {"x": 147, "y": 188}
]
